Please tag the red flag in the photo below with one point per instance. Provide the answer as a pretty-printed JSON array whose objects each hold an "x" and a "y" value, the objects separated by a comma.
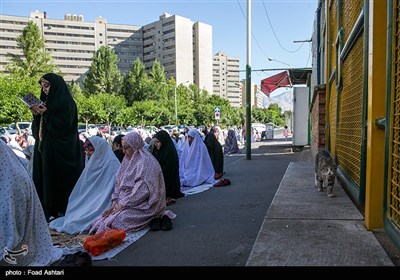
[{"x": 270, "y": 84}]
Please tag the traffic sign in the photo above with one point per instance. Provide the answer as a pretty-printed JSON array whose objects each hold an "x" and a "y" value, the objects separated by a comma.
[{"x": 217, "y": 112}]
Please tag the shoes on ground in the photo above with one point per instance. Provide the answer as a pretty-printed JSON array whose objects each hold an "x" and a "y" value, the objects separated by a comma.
[
  {"x": 222, "y": 183},
  {"x": 170, "y": 201},
  {"x": 155, "y": 224},
  {"x": 166, "y": 223}
]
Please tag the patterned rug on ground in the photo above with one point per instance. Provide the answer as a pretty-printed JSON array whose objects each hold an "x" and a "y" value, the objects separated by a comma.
[
  {"x": 197, "y": 189},
  {"x": 71, "y": 244}
]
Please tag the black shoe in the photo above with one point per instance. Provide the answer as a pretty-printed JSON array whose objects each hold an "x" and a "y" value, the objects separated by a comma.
[
  {"x": 166, "y": 223},
  {"x": 155, "y": 224}
]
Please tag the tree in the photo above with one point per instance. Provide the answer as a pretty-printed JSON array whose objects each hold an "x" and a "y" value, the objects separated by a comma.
[
  {"x": 111, "y": 106},
  {"x": 134, "y": 84},
  {"x": 35, "y": 60},
  {"x": 88, "y": 108},
  {"x": 75, "y": 89},
  {"x": 154, "y": 90},
  {"x": 12, "y": 87},
  {"x": 103, "y": 75}
]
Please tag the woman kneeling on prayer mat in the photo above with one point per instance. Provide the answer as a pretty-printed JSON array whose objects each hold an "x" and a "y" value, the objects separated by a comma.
[
  {"x": 139, "y": 193},
  {"x": 167, "y": 156},
  {"x": 24, "y": 236},
  {"x": 195, "y": 167},
  {"x": 91, "y": 195}
]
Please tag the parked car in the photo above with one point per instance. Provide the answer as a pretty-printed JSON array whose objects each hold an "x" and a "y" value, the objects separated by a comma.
[
  {"x": 92, "y": 129},
  {"x": 12, "y": 129},
  {"x": 81, "y": 128},
  {"x": 260, "y": 127},
  {"x": 4, "y": 132}
]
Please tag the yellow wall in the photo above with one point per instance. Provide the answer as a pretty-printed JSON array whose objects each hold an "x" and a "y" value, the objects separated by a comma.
[{"x": 376, "y": 108}]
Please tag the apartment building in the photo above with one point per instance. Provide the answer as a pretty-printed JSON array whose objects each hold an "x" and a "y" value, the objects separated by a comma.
[
  {"x": 184, "y": 49},
  {"x": 226, "y": 79},
  {"x": 257, "y": 97},
  {"x": 72, "y": 41}
]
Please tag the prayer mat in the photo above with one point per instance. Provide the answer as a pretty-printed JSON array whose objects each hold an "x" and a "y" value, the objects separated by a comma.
[
  {"x": 71, "y": 244},
  {"x": 64, "y": 240},
  {"x": 197, "y": 189}
]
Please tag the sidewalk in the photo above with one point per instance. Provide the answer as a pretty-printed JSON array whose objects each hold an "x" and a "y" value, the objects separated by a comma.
[{"x": 303, "y": 227}]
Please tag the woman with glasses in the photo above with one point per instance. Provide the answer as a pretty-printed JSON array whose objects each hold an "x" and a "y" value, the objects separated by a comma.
[
  {"x": 139, "y": 194},
  {"x": 92, "y": 193},
  {"x": 57, "y": 163}
]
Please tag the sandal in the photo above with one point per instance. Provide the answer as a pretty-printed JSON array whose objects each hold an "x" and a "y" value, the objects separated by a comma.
[
  {"x": 222, "y": 183},
  {"x": 170, "y": 201}
]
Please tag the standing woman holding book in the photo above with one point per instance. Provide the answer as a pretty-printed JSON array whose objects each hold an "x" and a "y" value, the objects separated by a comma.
[{"x": 57, "y": 162}]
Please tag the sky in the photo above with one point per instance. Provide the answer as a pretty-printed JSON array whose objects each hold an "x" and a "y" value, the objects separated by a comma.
[{"x": 275, "y": 24}]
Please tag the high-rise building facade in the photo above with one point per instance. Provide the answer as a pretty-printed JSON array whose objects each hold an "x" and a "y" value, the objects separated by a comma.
[
  {"x": 72, "y": 42},
  {"x": 256, "y": 96},
  {"x": 226, "y": 78},
  {"x": 184, "y": 49},
  {"x": 203, "y": 58}
]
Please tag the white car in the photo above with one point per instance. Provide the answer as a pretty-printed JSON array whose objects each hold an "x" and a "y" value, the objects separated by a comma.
[
  {"x": 260, "y": 127},
  {"x": 12, "y": 129}
]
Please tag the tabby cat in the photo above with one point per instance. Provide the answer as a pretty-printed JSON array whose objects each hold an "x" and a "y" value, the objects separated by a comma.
[{"x": 325, "y": 169}]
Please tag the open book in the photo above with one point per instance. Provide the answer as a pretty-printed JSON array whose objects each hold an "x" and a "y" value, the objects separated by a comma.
[{"x": 30, "y": 100}]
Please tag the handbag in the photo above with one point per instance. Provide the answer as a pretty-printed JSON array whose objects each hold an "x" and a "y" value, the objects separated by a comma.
[{"x": 102, "y": 242}]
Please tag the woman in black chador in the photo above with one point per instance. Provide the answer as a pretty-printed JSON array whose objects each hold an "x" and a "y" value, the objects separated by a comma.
[
  {"x": 165, "y": 153},
  {"x": 57, "y": 162},
  {"x": 216, "y": 154}
]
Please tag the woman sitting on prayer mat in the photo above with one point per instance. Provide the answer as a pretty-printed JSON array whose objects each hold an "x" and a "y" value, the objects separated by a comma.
[
  {"x": 91, "y": 195},
  {"x": 231, "y": 143},
  {"x": 139, "y": 194},
  {"x": 167, "y": 156},
  {"x": 215, "y": 151},
  {"x": 24, "y": 236},
  {"x": 195, "y": 167}
]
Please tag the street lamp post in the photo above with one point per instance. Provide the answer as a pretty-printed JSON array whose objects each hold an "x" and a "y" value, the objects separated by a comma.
[
  {"x": 176, "y": 105},
  {"x": 273, "y": 59},
  {"x": 175, "y": 100}
]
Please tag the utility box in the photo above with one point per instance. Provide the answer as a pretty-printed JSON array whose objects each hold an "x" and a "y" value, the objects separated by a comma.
[
  {"x": 269, "y": 132},
  {"x": 300, "y": 116}
]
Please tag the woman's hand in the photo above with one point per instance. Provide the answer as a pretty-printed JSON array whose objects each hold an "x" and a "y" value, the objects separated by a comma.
[
  {"x": 38, "y": 109},
  {"x": 110, "y": 210},
  {"x": 117, "y": 208},
  {"x": 33, "y": 110}
]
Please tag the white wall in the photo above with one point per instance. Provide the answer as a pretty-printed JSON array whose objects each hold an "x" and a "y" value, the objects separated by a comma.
[{"x": 300, "y": 116}]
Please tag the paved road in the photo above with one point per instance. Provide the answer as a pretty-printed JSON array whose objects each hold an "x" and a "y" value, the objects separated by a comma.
[{"x": 217, "y": 227}]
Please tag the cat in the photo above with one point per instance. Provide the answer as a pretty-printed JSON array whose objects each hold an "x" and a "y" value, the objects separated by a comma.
[{"x": 325, "y": 169}]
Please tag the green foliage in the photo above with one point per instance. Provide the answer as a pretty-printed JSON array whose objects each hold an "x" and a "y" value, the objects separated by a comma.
[
  {"x": 111, "y": 105},
  {"x": 88, "y": 108},
  {"x": 136, "y": 99},
  {"x": 35, "y": 60},
  {"x": 75, "y": 89},
  {"x": 135, "y": 82},
  {"x": 103, "y": 74},
  {"x": 147, "y": 113},
  {"x": 12, "y": 87}
]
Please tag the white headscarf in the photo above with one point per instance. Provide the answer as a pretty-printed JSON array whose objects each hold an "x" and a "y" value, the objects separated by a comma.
[
  {"x": 91, "y": 195},
  {"x": 195, "y": 167}
]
